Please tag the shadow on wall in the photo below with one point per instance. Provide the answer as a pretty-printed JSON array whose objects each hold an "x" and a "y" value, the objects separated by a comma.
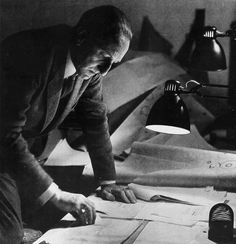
[
  {"x": 184, "y": 53},
  {"x": 150, "y": 39}
]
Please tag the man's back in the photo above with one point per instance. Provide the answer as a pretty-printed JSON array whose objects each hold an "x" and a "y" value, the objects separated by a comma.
[{"x": 27, "y": 51}]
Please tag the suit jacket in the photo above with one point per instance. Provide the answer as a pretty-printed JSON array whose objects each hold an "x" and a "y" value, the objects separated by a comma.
[{"x": 32, "y": 70}]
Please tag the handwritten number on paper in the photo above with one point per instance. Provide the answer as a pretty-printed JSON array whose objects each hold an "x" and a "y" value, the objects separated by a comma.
[{"x": 228, "y": 164}]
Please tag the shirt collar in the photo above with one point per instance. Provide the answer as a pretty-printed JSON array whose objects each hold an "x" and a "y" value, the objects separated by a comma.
[{"x": 70, "y": 68}]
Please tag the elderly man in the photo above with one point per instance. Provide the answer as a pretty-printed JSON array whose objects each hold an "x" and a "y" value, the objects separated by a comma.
[{"x": 45, "y": 75}]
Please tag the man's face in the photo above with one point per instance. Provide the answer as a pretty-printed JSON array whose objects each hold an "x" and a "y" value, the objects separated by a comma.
[{"x": 96, "y": 60}]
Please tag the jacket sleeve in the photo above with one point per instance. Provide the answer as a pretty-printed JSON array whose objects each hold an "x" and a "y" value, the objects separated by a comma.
[
  {"x": 92, "y": 115},
  {"x": 17, "y": 88}
]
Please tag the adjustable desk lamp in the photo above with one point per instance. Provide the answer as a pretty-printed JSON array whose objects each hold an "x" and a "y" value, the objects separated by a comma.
[
  {"x": 169, "y": 114},
  {"x": 209, "y": 54}
]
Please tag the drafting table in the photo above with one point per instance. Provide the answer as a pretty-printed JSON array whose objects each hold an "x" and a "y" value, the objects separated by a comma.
[
  {"x": 135, "y": 225},
  {"x": 131, "y": 223}
]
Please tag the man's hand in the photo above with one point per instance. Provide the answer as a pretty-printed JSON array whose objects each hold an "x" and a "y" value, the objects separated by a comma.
[
  {"x": 114, "y": 192},
  {"x": 76, "y": 204}
]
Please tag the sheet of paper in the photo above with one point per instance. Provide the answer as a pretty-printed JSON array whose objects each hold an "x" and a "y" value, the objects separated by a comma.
[
  {"x": 117, "y": 209},
  {"x": 107, "y": 231},
  {"x": 195, "y": 177},
  {"x": 180, "y": 214},
  {"x": 64, "y": 155},
  {"x": 195, "y": 196},
  {"x": 179, "y": 156},
  {"x": 231, "y": 197},
  {"x": 164, "y": 233},
  {"x": 147, "y": 157}
]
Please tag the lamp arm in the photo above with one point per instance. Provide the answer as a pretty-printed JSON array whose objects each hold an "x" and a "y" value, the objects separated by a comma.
[
  {"x": 196, "y": 92},
  {"x": 199, "y": 85},
  {"x": 212, "y": 96},
  {"x": 229, "y": 33},
  {"x": 195, "y": 89},
  {"x": 221, "y": 33},
  {"x": 215, "y": 85}
]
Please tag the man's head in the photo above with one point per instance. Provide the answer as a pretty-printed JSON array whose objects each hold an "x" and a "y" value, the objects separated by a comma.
[{"x": 101, "y": 38}]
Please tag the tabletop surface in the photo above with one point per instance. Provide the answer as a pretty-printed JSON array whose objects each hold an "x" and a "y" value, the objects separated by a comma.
[{"x": 143, "y": 222}]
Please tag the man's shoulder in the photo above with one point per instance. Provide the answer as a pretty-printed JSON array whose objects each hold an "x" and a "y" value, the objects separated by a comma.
[
  {"x": 31, "y": 49},
  {"x": 46, "y": 34}
]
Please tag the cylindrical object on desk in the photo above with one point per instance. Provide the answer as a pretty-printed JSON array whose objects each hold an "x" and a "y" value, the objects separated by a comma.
[{"x": 221, "y": 223}]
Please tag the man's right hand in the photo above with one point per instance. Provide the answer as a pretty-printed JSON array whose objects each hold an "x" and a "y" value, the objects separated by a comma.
[{"x": 76, "y": 204}]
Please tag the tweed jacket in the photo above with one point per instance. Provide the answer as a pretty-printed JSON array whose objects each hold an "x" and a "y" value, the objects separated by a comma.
[{"x": 31, "y": 82}]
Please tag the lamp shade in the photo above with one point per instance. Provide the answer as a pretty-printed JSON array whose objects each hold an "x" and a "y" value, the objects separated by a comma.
[
  {"x": 208, "y": 54},
  {"x": 169, "y": 114}
]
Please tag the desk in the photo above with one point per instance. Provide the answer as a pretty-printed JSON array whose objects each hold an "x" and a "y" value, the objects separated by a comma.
[
  {"x": 139, "y": 229},
  {"x": 127, "y": 230}
]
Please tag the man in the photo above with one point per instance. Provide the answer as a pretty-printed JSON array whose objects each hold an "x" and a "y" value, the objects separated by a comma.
[{"x": 46, "y": 74}]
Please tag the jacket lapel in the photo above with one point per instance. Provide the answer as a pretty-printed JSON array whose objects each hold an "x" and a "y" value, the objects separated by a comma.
[
  {"x": 54, "y": 88},
  {"x": 53, "y": 99}
]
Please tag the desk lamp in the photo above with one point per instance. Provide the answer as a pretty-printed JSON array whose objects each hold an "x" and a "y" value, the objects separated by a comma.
[
  {"x": 208, "y": 54},
  {"x": 169, "y": 114}
]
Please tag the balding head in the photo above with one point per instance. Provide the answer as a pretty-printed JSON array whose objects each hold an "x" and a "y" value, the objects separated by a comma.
[{"x": 103, "y": 25}]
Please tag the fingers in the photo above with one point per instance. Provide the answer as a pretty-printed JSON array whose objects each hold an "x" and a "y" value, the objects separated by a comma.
[
  {"x": 91, "y": 207},
  {"x": 83, "y": 210},
  {"x": 88, "y": 213},
  {"x": 115, "y": 192},
  {"x": 105, "y": 195},
  {"x": 77, "y": 204},
  {"x": 85, "y": 215},
  {"x": 125, "y": 195},
  {"x": 130, "y": 195}
]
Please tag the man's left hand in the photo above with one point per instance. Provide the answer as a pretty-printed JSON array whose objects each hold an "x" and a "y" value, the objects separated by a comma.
[{"x": 114, "y": 192}]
